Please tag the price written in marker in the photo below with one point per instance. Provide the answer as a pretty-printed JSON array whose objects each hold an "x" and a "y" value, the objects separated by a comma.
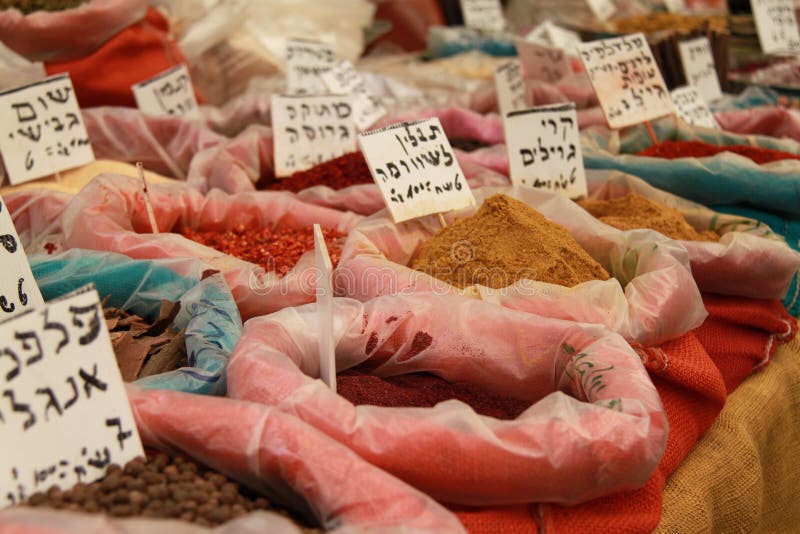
[
  {"x": 415, "y": 169},
  {"x": 309, "y": 130},
  {"x": 510, "y": 87},
  {"x": 324, "y": 287},
  {"x": 65, "y": 414},
  {"x": 776, "y": 25},
  {"x": 18, "y": 289},
  {"x": 343, "y": 79},
  {"x": 627, "y": 80},
  {"x": 41, "y": 130},
  {"x": 543, "y": 63},
  {"x": 699, "y": 67},
  {"x": 544, "y": 149},
  {"x": 168, "y": 93},
  {"x": 306, "y": 61},
  {"x": 692, "y": 108},
  {"x": 486, "y": 15}
]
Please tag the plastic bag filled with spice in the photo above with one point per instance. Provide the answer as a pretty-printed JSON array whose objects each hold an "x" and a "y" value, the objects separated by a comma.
[
  {"x": 37, "y": 217},
  {"x": 260, "y": 241},
  {"x": 203, "y": 320},
  {"x": 699, "y": 164},
  {"x": 772, "y": 121},
  {"x": 728, "y": 253},
  {"x": 545, "y": 410},
  {"x": 535, "y": 251}
]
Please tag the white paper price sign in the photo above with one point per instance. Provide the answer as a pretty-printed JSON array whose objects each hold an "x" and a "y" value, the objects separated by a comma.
[
  {"x": 543, "y": 63},
  {"x": 554, "y": 35},
  {"x": 168, "y": 93},
  {"x": 18, "y": 289},
  {"x": 343, "y": 79},
  {"x": 776, "y": 24},
  {"x": 42, "y": 130},
  {"x": 483, "y": 14},
  {"x": 626, "y": 79},
  {"x": 306, "y": 61},
  {"x": 311, "y": 129},
  {"x": 415, "y": 169},
  {"x": 692, "y": 108},
  {"x": 544, "y": 149},
  {"x": 675, "y": 6},
  {"x": 699, "y": 67},
  {"x": 66, "y": 416},
  {"x": 602, "y": 9},
  {"x": 324, "y": 286},
  {"x": 510, "y": 87}
]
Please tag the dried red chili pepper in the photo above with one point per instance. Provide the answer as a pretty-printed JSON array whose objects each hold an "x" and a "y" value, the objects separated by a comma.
[
  {"x": 274, "y": 250},
  {"x": 344, "y": 171},
  {"x": 698, "y": 149}
]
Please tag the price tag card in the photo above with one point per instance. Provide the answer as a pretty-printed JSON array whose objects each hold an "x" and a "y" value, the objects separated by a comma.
[
  {"x": 544, "y": 149},
  {"x": 324, "y": 287},
  {"x": 602, "y": 9},
  {"x": 484, "y": 15},
  {"x": 415, "y": 169},
  {"x": 343, "y": 79},
  {"x": 543, "y": 63},
  {"x": 776, "y": 24},
  {"x": 18, "y": 289},
  {"x": 675, "y": 6},
  {"x": 306, "y": 61},
  {"x": 311, "y": 129},
  {"x": 42, "y": 130},
  {"x": 692, "y": 108},
  {"x": 554, "y": 35},
  {"x": 626, "y": 79},
  {"x": 510, "y": 87},
  {"x": 699, "y": 68},
  {"x": 168, "y": 93},
  {"x": 65, "y": 413}
]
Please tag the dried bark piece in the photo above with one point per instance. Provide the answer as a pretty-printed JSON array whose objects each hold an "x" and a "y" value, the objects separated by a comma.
[{"x": 169, "y": 357}]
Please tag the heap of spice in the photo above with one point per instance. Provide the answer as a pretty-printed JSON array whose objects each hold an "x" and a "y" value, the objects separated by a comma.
[
  {"x": 275, "y": 250},
  {"x": 635, "y": 211},
  {"x": 161, "y": 486},
  {"x": 698, "y": 149},
  {"x": 467, "y": 145},
  {"x": 29, "y": 6},
  {"x": 503, "y": 242},
  {"x": 143, "y": 348},
  {"x": 422, "y": 390},
  {"x": 338, "y": 173}
]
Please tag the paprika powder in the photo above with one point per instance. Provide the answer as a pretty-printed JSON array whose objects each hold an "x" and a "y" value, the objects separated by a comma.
[
  {"x": 699, "y": 149},
  {"x": 338, "y": 173}
]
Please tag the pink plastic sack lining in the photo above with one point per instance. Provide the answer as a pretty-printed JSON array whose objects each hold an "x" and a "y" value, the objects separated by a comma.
[
  {"x": 37, "y": 217},
  {"x": 772, "y": 121},
  {"x": 69, "y": 34},
  {"x": 595, "y": 425},
  {"x": 286, "y": 459},
  {"x": 110, "y": 214},
  {"x": 652, "y": 300},
  {"x": 734, "y": 265}
]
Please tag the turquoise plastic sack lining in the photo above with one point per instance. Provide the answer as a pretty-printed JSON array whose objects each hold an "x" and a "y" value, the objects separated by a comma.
[
  {"x": 208, "y": 311},
  {"x": 752, "y": 97},
  {"x": 722, "y": 179}
]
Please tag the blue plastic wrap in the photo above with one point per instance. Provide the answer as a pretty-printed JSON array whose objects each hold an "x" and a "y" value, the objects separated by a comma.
[
  {"x": 752, "y": 97},
  {"x": 450, "y": 41},
  {"x": 208, "y": 311}
]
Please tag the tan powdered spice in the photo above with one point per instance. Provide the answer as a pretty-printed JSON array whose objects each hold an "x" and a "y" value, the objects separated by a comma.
[
  {"x": 635, "y": 211},
  {"x": 504, "y": 241}
]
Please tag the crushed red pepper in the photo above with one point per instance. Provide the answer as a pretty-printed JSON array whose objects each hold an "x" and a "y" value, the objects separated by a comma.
[
  {"x": 344, "y": 171},
  {"x": 423, "y": 390},
  {"x": 274, "y": 250},
  {"x": 698, "y": 149}
]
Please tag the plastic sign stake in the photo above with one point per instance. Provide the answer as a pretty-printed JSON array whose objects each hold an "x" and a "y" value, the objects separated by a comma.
[
  {"x": 776, "y": 25},
  {"x": 168, "y": 93},
  {"x": 509, "y": 87},
  {"x": 627, "y": 80},
  {"x": 306, "y": 61},
  {"x": 415, "y": 169},
  {"x": 486, "y": 15},
  {"x": 18, "y": 289},
  {"x": 148, "y": 202},
  {"x": 66, "y": 416},
  {"x": 327, "y": 344},
  {"x": 343, "y": 79},
  {"x": 543, "y": 63},
  {"x": 544, "y": 149},
  {"x": 699, "y": 67},
  {"x": 691, "y": 107},
  {"x": 309, "y": 130},
  {"x": 42, "y": 130}
]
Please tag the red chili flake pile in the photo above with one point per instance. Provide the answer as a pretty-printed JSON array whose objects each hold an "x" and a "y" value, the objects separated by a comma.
[
  {"x": 338, "y": 173},
  {"x": 422, "y": 390},
  {"x": 698, "y": 149},
  {"x": 274, "y": 250}
]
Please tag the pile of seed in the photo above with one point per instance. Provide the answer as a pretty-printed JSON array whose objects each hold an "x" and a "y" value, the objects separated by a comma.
[{"x": 162, "y": 486}]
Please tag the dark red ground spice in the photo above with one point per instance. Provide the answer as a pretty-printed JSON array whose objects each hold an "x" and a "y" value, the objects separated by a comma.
[
  {"x": 274, "y": 250},
  {"x": 344, "y": 171},
  {"x": 372, "y": 342},
  {"x": 467, "y": 145},
  {"x": 421, "y": 341},
  {"x": 422, "y": 390},
  {"x": 698, "y": 149},
  {"x": 50, "y": 248}
]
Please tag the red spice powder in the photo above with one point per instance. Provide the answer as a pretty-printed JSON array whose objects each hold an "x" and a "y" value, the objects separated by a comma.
[
  {"x": 698, "y": 149},
  {"x": 274, "y": 250},
  {"x": 344, "y": 171},
  {"x": 422, "y": 390},
  {"x": 421, "y": 341}
]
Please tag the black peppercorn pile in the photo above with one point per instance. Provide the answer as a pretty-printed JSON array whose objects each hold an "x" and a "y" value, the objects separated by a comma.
[{"x": 163, "y": 487}]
